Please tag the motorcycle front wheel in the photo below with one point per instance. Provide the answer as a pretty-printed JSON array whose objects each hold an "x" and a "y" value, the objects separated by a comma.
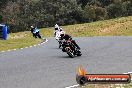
[{"x": 69, "y": 52}]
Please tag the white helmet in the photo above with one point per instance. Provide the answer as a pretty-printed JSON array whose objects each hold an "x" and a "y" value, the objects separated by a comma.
[
  {"x": 56, "y": 27},
  {"x": 32, "y": 27}
]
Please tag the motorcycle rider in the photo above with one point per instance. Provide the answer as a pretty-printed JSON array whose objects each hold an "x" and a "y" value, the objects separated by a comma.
[
  {"x": 57, "y": 29},
  {"x": 68, "y": 37},
  {"x": 57, "y": 33},
  {"x": 35, "y": 32}
]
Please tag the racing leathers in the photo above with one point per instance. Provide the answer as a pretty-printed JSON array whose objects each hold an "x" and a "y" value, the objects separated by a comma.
[{"x": 68, "y": 37}]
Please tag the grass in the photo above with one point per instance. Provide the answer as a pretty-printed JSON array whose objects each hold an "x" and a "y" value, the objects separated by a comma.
[
  {"x": 18, "y": 40},
  {"x": 114, "y": 27}
]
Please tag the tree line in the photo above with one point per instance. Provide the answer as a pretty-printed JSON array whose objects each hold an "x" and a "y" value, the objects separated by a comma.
[{"x": 20, "y": 14}]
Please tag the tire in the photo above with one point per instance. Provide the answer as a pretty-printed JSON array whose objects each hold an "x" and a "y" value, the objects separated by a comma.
[
  {"x": 79, "y": 53},
  {"x": 70, "y": 53}
]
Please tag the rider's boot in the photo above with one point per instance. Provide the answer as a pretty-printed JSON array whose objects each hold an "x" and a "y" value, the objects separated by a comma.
[{"x": 60, "y": 45}]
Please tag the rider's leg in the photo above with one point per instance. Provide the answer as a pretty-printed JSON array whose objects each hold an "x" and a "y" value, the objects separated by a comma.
[
  {"x": 60, "y": 44},
  {"x": 37, "y": 34},
  {"x": 34, "y": 34}
]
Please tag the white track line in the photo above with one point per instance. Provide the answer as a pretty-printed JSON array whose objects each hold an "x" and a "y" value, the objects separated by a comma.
[
  {"x": 35, "y": 45},
  {"x": 129, "y": 72},
  {"x": 73, "y": 86},
  {"x": 26, "y": 47},
  {"x": 21, "y": 48},
  {"x": 8, "y": 50},
  {"x": 30, "y": 46},
  {"x": 14, "y": 49}
]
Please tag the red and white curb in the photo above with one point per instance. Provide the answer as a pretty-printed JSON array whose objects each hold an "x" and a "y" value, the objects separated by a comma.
[
  {"x": 46, "y": 40},
  {"x": 77, "y": 85}
]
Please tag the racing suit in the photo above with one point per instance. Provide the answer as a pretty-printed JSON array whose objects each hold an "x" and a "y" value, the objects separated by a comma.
[
  {"x": 68, "y": 37},
  {"x": 32, "y": 31},
  {"x": 57, "y": 31}
]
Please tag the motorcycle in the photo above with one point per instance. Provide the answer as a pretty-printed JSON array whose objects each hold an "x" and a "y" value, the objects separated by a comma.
[{"x": 70, "y": 49}]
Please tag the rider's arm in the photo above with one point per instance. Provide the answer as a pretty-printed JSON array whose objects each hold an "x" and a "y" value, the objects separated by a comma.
[
  {"x": 68, "y": 37},
  {"x": 54, "y": 33}
]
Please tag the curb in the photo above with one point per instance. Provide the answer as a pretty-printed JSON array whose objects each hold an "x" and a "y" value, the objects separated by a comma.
[{"x": 44, "y": 41}]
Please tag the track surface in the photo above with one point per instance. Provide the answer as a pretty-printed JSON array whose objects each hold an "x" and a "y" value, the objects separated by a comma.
[{"x": 46, "y": 66}]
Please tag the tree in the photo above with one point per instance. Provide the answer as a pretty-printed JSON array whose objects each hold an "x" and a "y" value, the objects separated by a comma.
[
  {"x": 89, "y": 13},
  {"x": 105, "y": 2},
  {"x": 114, "y": 10},
  {"x": 101, "y": 13},
  {"x": 127, "y": 8},
  {"x": 20, "y": 14},
  {"x": 1, "y": 18},
  {"x": 94, "y": 13},
  {"x": 83, "y": 2}
]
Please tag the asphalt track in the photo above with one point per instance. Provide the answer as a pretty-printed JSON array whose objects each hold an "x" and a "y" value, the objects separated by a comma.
[{"x": 46, "y": 66}]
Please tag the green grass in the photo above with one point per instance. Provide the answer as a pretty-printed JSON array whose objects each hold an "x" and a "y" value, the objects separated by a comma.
[
  {"x": 114, "y": 27},
  {"x": 18, "y": 40}
]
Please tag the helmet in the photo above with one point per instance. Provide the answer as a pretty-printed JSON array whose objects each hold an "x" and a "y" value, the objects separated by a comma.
[
  {"x": 32, "y": 27},
  {"x": 56, "y": 27}
]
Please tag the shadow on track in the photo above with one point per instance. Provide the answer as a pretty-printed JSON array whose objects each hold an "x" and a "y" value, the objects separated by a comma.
[{"x": 67, "y": 57}]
